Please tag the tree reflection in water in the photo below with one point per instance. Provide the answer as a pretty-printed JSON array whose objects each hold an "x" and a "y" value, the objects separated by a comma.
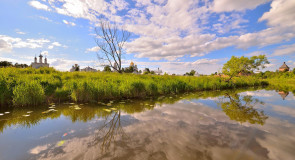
[
  {"x": 110, "y": 130},
  {"x": 241, "y": 108}
]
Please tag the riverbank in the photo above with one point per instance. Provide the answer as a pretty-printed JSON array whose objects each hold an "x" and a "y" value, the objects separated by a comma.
[{"x": 26, "y": 87}]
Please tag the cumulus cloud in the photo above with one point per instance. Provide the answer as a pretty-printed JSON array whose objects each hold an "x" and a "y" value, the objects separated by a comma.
[
  {"x": 285, "y": 50},
  {"x": 5, "y": 46},
  {"x": 171, "y": 29},
  {"x": 236, "y": 5},
  {"x": 38, "y": 5},
  {"x": 282, "y": 14},
  {"x": 11, "y": 42}
]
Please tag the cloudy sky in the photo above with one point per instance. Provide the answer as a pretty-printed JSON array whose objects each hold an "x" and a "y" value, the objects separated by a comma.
[{"x": 175, "y": 35}]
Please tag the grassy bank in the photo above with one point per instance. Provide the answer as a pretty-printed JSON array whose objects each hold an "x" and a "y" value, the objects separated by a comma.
[{"x": 24, "y": 87}]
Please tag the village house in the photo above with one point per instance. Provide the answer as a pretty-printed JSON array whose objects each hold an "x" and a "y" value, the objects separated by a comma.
[{"x": 284, "y": 68}]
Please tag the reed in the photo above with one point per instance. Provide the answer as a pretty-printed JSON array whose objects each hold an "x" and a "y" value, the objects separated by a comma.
[{"x": 23, "y": 87}]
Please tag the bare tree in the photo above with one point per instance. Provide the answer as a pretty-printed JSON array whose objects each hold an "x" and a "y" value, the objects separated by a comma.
[{"x": 110, "y": 39}]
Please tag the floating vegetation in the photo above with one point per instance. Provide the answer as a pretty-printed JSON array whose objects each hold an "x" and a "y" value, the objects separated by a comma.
[
  {"x": 109, "y": 104},
  {"x": 122, "y": 102},
  {"x": 111, "y": 101},
  {"x": 26, "y": 115},
  {"x": 107, "y": 110},
  {"x": 60, "y": 143},
  {"x": 6, "y": 112},
  {"x": 29, "y": 111},
  {"x": 114, "y": 109},
  {"x": 1, "y": 114},
  {"x": 51, "y": 107}
]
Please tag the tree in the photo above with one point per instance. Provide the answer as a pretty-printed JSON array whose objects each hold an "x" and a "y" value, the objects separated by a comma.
[
  {"x": 152, "y": 72},
  {"x": 243, "y": 65},
  {"x": 107, "y": 68},
  {"x": 77, "y": 68},
  {"x": 5, "y": 64},
  {"x": 110, "y": 41},
  {"x": 191, "y": 73}
]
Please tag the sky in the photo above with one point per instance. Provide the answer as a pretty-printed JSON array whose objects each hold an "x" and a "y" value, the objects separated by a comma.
[{"x": 173, "y": 35}]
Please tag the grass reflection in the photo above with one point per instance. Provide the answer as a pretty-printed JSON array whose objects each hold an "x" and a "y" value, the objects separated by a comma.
[{"x": 233, "y": 108}]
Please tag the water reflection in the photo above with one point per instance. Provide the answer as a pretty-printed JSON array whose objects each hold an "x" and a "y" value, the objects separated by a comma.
[
  {"x": 242, "y": 108},
  {"x": 205, "y": 125},
  {"x": 283, "y": 94}
]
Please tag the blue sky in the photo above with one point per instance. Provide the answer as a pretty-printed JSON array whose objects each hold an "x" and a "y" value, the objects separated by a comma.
[{"x": 176, "y": 36}]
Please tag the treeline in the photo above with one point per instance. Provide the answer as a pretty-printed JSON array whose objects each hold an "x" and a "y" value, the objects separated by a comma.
[
  {"x": 25, "y": 87},
  {"x": 9, "y": 64}
]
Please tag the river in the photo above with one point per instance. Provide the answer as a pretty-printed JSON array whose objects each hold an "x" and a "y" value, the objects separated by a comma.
[{"x": 221, "y": 125}]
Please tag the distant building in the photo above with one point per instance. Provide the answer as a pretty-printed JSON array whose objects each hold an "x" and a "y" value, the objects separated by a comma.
[
  {"x": 75, "y": 68},
  {"x": 37, "y": 65},
  {"x": 88, "y": 69},
  {"x": 284, "y": 67},
  {"x": 158, "y": 71}
]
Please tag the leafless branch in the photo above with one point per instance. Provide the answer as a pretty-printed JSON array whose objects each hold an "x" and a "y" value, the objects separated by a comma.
[{"x": 111, "y": 40}]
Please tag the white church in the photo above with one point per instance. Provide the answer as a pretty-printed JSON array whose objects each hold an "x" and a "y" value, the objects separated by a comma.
[{"x": 37, "y": 65}]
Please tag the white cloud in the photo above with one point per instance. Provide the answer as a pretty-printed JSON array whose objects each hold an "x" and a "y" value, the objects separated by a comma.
[
  {"x": 202, "y": 66},
  {"x": 68, "y": 23},
  {"x": 66, "y": 64},
  {"x": 45, "y": 18},
  {"x": 45, "y": 53},
  {"x": 174, "y": 29},
  {"x": 235, "y": 5},
  {"x": 24, "y": 43},
  {"x": 38, "y": 5},
  {"x": 282, "y": 13},
  {"x": 93, "y": 49},
  {"x": 5, "y": 46},
  {"x": 285, "y": 50},
  {"x": 19, "y": 32}
]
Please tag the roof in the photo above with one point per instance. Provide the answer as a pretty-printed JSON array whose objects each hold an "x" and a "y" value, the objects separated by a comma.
[{"x": 284, "y": 66}]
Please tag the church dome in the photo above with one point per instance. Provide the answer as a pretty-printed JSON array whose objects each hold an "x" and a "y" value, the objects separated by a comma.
[{"x": 131, "y": 64}]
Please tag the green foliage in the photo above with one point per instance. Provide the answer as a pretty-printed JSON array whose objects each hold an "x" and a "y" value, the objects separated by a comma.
[
  {"x": 191, "y": 73},
  {"x": 107, "y": 69},
  {"x": 244, "y": 65},
  {"x": 30, "y": 86},
  {"x": 28, "y": 93}
]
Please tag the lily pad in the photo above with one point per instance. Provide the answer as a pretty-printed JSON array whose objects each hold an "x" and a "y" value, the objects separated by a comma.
[
  {"x": 107, "y": 110},
  {"x": 109, "y": 104},
  {"x": 1, "y": 114},
  {"x": 29, "y": 111},
  {"x": 26, "y": 115},
  {"x": 6, "y": 112},
  {"x": 114, "y": 109}
]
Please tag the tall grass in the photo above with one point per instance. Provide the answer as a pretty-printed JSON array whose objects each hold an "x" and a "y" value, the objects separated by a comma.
[{"x": 29, "y": 86}]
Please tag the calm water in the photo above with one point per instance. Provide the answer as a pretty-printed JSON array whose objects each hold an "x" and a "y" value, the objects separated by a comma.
[{"x": 226, "y": 125}]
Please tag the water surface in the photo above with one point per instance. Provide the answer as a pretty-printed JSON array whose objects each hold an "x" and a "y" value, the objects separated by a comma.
[{"x": 243, "y": 124}]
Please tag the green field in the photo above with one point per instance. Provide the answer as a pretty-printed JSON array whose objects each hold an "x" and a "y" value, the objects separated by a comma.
[{"x": 27, "y": 87}]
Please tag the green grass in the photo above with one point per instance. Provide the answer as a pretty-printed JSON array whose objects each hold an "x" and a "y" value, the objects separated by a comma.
[{"x": 25, "y": 87}]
